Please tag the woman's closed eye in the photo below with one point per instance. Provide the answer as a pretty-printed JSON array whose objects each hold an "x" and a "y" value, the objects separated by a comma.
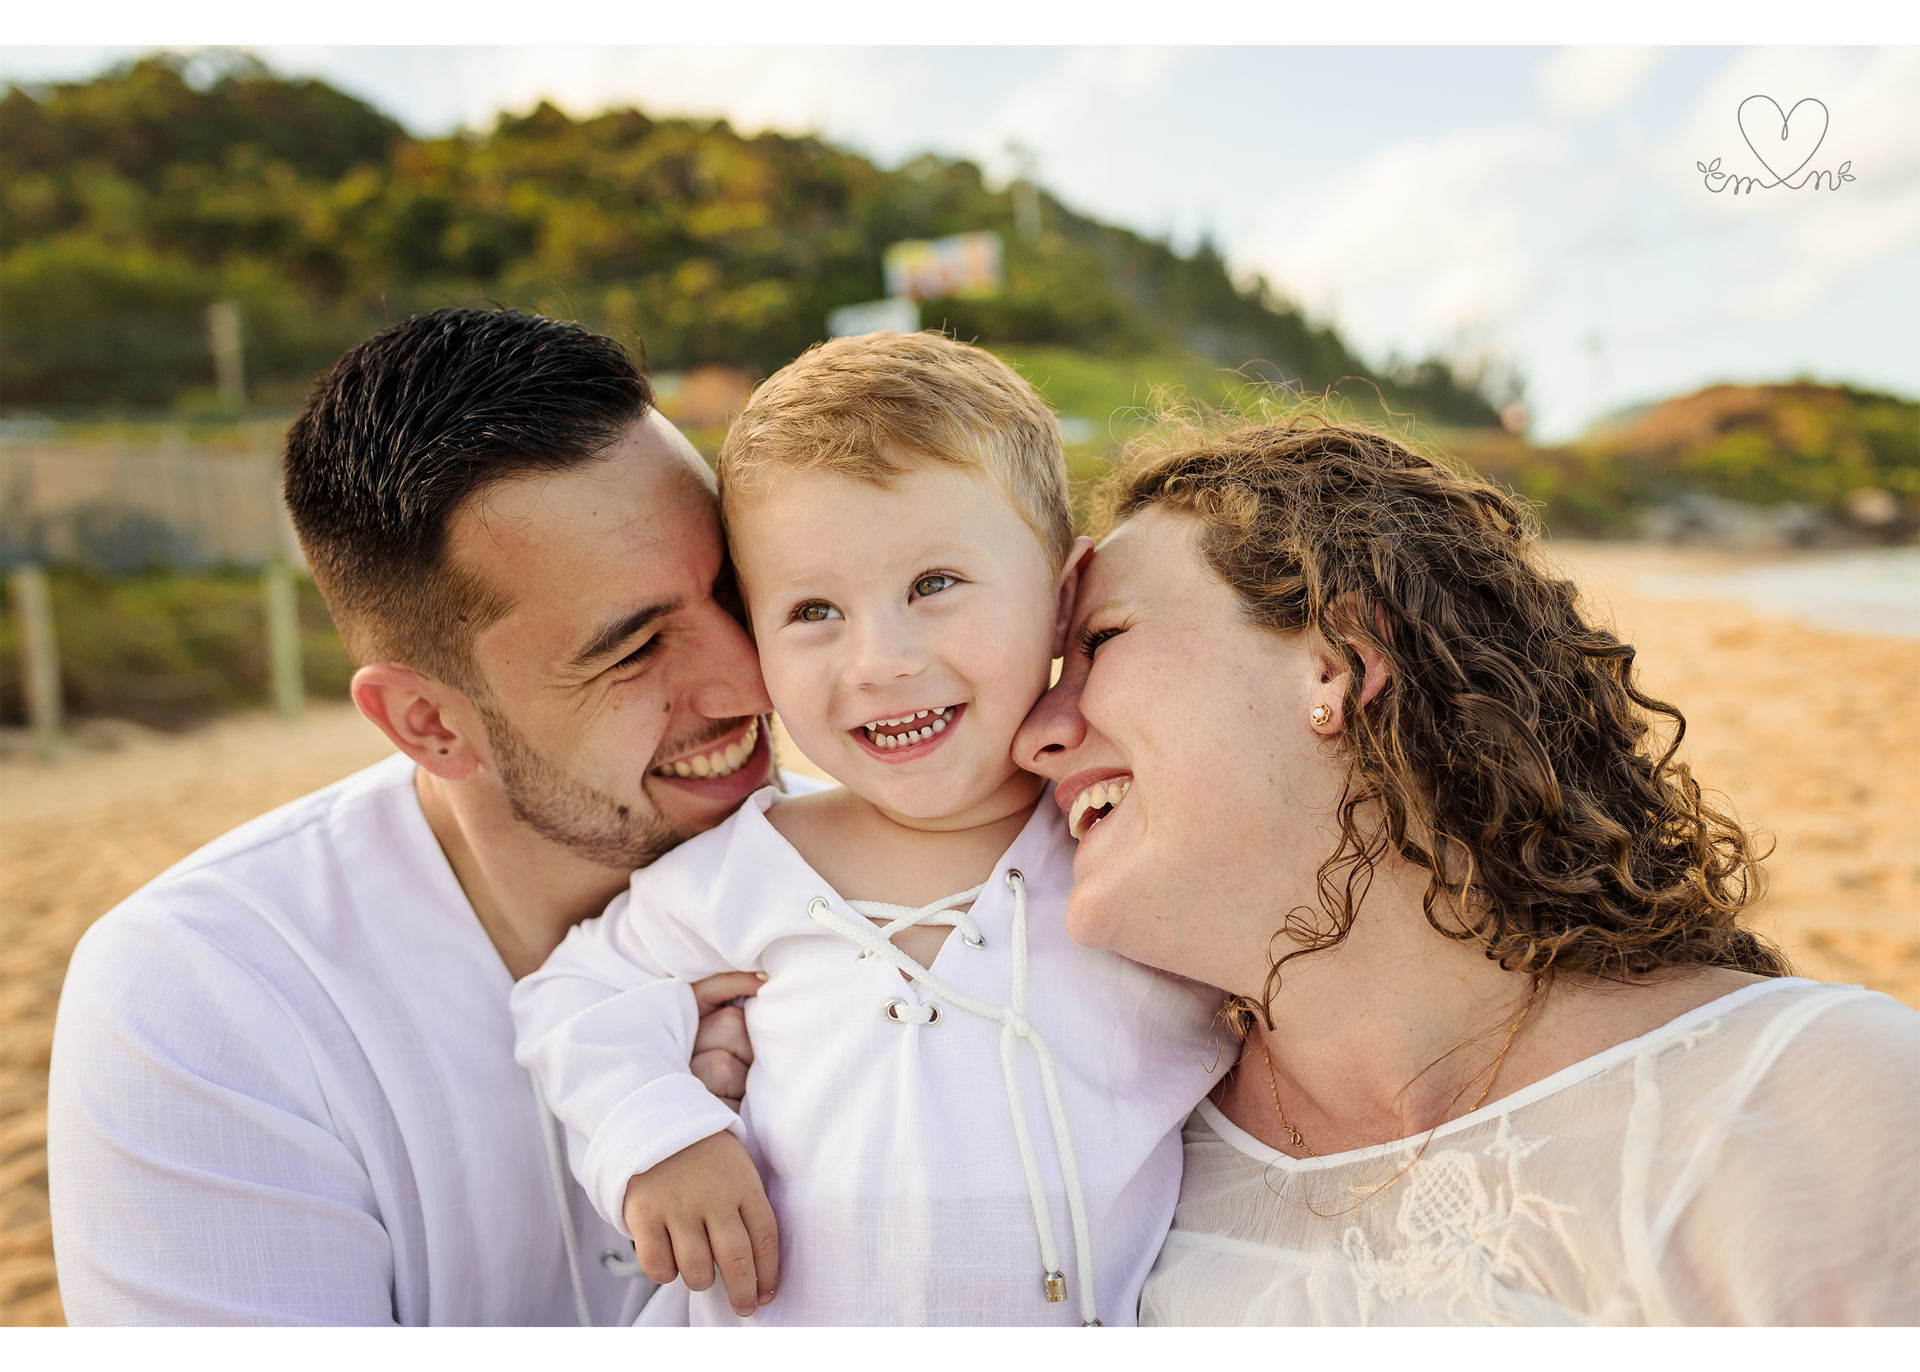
[{"x": 1091, "y": 639}]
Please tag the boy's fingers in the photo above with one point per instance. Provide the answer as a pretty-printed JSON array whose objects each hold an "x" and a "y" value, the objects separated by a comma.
[
  {"x": 763, "y": 1231},
  {"x": 733, "y": 1256},
  {"x": 691, "y": 1254},
  {"x": 721, "y": 1073},
  {"x": 718, "y": 990},
  {"x": 725, "y": 1029},
  {"x": 653, "y": 1250}
]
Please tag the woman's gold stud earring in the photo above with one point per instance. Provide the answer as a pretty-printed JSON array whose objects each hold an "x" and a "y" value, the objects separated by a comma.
[{"x": 1321, "y": 714}]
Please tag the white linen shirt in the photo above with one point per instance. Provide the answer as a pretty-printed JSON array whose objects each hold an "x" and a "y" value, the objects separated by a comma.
[
  {"x": 283, "y": 1092},
  {"x": 1751, "y": 1162},
  {"x": 887, "y": 1149}
]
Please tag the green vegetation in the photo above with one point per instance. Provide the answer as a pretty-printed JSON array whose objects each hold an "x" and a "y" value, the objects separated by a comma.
[
  {"x": 168, "y": 649},
  {"x": 130, "y": 202},
  {"x": 1801, "y": 444}
]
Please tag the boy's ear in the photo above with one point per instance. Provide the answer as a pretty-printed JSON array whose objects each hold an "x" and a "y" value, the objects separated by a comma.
[
  {"x": 428, "y": 720},
  {"x": 1066, "y": 591}
]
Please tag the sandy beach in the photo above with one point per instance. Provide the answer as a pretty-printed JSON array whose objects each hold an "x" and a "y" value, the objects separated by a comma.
[{"x": 1812, "y": 734}]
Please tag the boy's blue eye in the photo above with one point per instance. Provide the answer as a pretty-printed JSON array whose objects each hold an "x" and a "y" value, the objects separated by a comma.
[
  {"x": 814, "y": 612},
  {"x": 933, "y": 583}
]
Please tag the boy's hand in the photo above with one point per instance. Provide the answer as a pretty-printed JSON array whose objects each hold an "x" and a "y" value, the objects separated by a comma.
[
  {"x": 701, "y": 1208},
  {"x": 722, "y": 1053}
]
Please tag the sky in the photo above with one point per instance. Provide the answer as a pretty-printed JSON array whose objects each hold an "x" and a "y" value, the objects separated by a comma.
[{"x": 1526, "y": 210}]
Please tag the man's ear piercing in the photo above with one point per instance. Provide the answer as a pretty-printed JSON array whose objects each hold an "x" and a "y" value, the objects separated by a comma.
[{"x": 1321, "y": 714}]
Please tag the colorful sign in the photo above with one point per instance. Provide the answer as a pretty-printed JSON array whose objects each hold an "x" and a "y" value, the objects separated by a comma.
[{"x": 965, "y": 265}]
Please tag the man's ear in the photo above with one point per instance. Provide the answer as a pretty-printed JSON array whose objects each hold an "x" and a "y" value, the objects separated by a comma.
[
  {"x": 428, "y": 720},
  {"x": 1066, "y": 591}
]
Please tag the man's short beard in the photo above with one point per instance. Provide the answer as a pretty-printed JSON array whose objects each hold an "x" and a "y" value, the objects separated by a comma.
[{"x": 570, "y": 813}]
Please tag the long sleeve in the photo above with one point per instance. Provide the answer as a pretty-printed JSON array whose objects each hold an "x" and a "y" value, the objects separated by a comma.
[
  {"x": 1801, "y": 1210},
  {"x": 606, "y": 1026},
  {"x": 196, "y": 1173}
]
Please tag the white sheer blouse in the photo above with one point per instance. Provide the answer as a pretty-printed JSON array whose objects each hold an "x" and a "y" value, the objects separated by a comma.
[{"x": 1756, "y": 1161}]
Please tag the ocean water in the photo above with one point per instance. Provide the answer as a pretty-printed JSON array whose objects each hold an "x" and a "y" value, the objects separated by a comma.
[{"x": 1871, "y": 590}]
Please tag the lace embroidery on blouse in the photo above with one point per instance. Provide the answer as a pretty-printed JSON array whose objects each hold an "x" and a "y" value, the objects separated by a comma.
[
  {"x": 1461, "y": 1236},
  {"x": 1464, "y": 1225}
]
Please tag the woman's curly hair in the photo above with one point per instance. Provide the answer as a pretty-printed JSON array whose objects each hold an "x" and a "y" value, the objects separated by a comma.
[{"x": 1510, "y": 753}]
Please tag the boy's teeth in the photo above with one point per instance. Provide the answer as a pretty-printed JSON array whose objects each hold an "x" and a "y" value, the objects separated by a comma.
[{"x": 937, "y": 721}]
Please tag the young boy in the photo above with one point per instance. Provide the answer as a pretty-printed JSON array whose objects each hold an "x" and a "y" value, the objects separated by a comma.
[{"x": 960, "y": 1116}]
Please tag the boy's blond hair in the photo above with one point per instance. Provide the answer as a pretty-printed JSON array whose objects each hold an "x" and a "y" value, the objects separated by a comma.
[{"x": 883, "y": 404}]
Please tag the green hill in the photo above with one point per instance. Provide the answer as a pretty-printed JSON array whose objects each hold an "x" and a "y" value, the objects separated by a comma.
[{"x": 130, "y": 202}]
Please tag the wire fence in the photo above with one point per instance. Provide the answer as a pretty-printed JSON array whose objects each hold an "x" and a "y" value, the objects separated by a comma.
[
  {"x": 118, "y": 508},
  {"x": 120, "y": 558}
]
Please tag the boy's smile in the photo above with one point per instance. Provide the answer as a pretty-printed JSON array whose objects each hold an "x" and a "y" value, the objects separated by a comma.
[{"x": 910, "y": 735}]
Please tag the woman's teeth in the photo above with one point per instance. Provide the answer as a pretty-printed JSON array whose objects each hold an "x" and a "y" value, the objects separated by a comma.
[
  {"x": 908, "y": 729},
  {"x": 1101, "y": 796},
  {"x": 722, "y": 762}
]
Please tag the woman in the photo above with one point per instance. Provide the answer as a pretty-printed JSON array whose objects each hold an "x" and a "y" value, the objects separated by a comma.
[{"x": 1510, "y": 1057}]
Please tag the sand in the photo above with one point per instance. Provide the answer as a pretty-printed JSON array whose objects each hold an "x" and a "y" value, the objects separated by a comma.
[{"x": 1813, "y": 735}]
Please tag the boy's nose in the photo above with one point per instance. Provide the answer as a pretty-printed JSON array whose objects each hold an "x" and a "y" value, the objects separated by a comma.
[{"x": 883, "y": 652}]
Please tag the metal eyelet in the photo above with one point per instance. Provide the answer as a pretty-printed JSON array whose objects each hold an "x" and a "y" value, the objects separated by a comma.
[
  {"x": 974, "y": 940},
  {"x": 896, "y": 1010},
  {"x": 1014, "y": 877}
]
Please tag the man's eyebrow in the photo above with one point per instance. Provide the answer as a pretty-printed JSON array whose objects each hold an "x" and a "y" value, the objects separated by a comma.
[{"x": 613, "y": 634}]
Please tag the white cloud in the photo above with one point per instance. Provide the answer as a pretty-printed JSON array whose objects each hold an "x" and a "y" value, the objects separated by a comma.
[
  {"x": 1873, "y": 101},
  {"x": 1422, "y": 241},
  {"x": 1820, "y": 238},
  {"x": 1076, "y": 98},
  {"x": 1593, "y": 80}
]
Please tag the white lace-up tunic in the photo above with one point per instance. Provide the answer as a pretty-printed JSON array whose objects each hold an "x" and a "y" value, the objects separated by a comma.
[
  {"x": 878, "y": 1109},
  {"x": 1756, "y": 1161}
]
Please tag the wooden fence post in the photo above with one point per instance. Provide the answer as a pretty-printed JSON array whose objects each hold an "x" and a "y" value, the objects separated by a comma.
[
  {"x": 283, "y": 639},
  {"x": 42, "y": 657}
]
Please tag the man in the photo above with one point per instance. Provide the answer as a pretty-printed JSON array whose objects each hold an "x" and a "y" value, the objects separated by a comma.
[{"x": 283, "y": 1086}]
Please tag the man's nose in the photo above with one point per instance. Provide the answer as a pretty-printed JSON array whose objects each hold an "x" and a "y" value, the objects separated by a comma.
[
  {"x": 1053, "y": 728},
  {"x": 730, "y": 684}
]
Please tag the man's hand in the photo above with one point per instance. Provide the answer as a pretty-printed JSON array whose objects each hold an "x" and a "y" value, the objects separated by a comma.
[
  {"x": 722, "y": 1052},
  {"x": 701, "y": 1208}
]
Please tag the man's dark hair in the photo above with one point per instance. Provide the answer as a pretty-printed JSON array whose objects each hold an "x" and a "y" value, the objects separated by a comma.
[{"x": 410, "y": 425}]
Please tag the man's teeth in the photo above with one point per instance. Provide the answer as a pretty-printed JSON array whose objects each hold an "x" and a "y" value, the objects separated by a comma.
[
  {"x": 719, "y": 763},
  {"x": 1102, "y": 795},
  {"x": 936, "y": 721}
]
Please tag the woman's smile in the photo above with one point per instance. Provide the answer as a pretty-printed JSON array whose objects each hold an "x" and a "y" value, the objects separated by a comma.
[{"x": 1089, "y": 798}]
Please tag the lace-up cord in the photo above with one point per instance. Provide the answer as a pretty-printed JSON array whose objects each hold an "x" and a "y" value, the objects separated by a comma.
[
  {"x": 1014, "y": 1026},
  {"x": 900, "y": 917}
]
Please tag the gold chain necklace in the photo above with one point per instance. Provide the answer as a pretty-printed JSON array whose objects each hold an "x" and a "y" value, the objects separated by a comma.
[{"x": 1293, "y": 1135}]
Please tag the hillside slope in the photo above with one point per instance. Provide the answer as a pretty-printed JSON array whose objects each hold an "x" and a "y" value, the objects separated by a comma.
[{"x": 130, "y": 202}]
